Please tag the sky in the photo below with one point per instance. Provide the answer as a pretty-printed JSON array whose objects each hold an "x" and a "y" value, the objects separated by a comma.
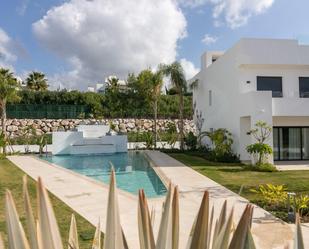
[{"x": 77, "y": 43}]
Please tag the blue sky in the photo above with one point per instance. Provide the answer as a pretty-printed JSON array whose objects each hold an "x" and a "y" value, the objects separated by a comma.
[{"x": 79, "y": 42}]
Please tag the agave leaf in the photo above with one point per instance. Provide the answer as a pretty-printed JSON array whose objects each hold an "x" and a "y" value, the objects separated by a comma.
[
  {"x": 249, "y": 241},
  {"x": 153, "y": 216},
  {"x": 222, "y": 217},
  {"x": 96, "y": 244},
  {"x": 73, "y": 236},
  {"x": 1, "y": 242},
  {"x": 298, "y": 237},
  {"x": 210, "y": 226},
  {"x": 222, "y": 240},
  {"x": 175, "y": 219},
  {"x": 39, "y": 235},
  {"x": 240, "y": 236},
  {"x": 16, "y": 234},
  {"x": 200, "y": 233},
  {"x": 164, "y": 240},
  {"x": 30, "y": 221},
  {"x": 48, "y": 227},
  {"x": 146, "y": 237},
  {"x": 113, "y": 238}
]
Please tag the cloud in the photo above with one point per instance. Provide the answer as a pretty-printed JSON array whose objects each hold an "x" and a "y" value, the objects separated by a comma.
[
  {"x": 7, "y": 56},
  {"x": 111, "y": 37},
  {"x": 22, "y": 8},
  {"x": 233, "y": 13},
  {"x": 208, "y": 39},
  {"x": 189, "y": 68}
]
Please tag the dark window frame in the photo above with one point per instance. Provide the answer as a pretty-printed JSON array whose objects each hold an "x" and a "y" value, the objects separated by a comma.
[
  {"x": 301, "y": 93},
  {"x": 301, "y": 142},
  {"x": 275, "y": 94}
]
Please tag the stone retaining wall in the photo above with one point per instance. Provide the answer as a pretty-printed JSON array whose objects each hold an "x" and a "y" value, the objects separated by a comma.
[{"x": 15, "y": 127}]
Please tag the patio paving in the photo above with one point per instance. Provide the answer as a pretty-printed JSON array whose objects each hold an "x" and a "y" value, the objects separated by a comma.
[
  {"x": 292, "y": 165},
  {"x": 89, "y": 198}
]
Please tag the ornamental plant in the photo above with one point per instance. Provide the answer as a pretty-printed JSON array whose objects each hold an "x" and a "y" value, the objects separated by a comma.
[
  {"x": 221, "y": 140},
  {"x": 260, "y": 150}
]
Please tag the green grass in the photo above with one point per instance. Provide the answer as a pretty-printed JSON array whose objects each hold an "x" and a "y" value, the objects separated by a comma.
[
  {"x": 11, "y": 178},
  {"x": 233, "y": 176}
]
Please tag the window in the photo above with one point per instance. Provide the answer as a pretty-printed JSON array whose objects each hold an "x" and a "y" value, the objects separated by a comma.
[
  {"x": 273, "y": 84},
  {"x": 210, "y": 97},
  {"x": 304, "y": 87}
]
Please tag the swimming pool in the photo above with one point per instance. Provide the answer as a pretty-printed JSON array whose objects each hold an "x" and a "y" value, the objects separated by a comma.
[{"x": 133, "y": 171}]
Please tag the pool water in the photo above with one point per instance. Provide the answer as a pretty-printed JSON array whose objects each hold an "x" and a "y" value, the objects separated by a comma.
[{"x": 133, "y": 171}]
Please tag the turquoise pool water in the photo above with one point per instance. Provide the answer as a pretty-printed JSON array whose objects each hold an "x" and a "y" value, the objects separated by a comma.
[{"x": 133, "y": 171}]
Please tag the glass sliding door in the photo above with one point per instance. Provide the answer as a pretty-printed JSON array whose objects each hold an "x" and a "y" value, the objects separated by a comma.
[
  {"x": 289, "y": 143},
  {"x": 276, "y": 143},
  {"x": 305, "y": 143}
]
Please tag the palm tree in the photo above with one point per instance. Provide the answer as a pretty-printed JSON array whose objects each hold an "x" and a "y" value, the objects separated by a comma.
[
  {"x": 8, "y": 92},
  {"x": 155, "y": 92},
  {"x": 178, "y": 80},
  {"x": 36, "y": 81}
]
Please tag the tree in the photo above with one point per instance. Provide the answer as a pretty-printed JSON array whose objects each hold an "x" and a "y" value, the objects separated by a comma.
[
  {"x": 8, "y": 92},
  {"x": 36, "y": 81},
  {"x": 112, "y": 84},
  {"x": 260, "y": 149},
  {"x": 155, "y": 92},
  {"x": 178, "y": 80}
]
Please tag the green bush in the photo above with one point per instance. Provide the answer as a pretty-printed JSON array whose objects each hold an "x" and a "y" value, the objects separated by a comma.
[
  {"x": 227, "y": 157},
  {"x": 263, "y": 167},
  {"x": 191, "y": 141}
]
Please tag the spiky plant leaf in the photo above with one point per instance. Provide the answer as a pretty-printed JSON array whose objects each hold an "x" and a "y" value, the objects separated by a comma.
[
  {"x": 164, "y": 240},
  {"x": 39, "y": 235},
  {"x": 30, "y": 221},
  {"x": 1, "y": 242},
  {"x": 249, "y": 241},
  {"x": 222, "y": 239},
  {"x": 146, "y": 237},
  {"x": 200, "y": 233},
  {"x": 96, "y": 244},
  {"x": 153, "y": 216},
  {"x": 210, "y": 226},
  {"x": 16, "y": 234},
  {"x": 113, "y": 238},
  {"x": 48, "y": 227},
  {"x": 175, "y": 219},
  {"x": 222, "y": 217},
  {"x": 73, "y": 236},
  {"x": 240, "y": 236},
  {"x": 298, "y": 237}
]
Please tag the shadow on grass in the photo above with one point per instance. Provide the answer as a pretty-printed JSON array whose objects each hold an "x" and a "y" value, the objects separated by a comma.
[{"x": 239, "y": 169}]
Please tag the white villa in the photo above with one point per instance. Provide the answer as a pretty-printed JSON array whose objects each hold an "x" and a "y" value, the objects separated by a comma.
[{"x": 258, "y": 80}]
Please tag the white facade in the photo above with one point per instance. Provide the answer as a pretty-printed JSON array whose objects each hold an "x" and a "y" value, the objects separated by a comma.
[{"x": 227, "y": 94}]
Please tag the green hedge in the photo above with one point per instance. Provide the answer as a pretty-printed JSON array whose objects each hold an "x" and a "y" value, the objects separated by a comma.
[{"x": 75, "y": 104}]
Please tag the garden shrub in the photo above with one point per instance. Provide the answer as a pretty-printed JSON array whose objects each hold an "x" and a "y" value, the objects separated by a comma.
[
  {"x": 263, "y": 167},
  {"x": 191, "y": 141}
]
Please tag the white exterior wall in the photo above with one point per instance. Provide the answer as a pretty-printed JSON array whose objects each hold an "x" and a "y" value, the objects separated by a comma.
[{"x": 236, "y": 104}]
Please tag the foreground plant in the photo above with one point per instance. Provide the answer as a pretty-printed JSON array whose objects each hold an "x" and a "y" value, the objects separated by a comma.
[{"x": 206, "y": 233}]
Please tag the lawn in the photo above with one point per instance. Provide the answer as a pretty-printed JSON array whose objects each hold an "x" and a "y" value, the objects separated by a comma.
[
  {"x": 11, "y": 178},
  {"x": 235, "y": 178}
]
